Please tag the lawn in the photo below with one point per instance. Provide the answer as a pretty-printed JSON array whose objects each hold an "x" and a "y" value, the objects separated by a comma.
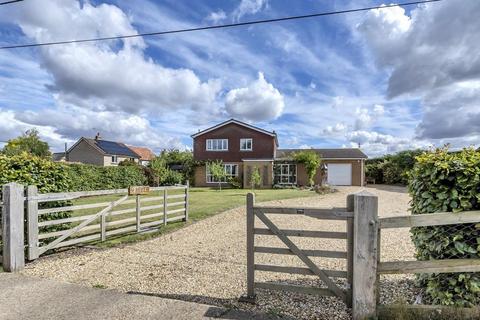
[{"x": 204, "y": 202}]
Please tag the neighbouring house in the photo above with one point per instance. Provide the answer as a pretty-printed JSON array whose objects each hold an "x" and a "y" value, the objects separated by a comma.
[
  {"x": 100, "y": 152},
  {"x": 243, "y": 147},
  {"x": 146, "y": 155}
]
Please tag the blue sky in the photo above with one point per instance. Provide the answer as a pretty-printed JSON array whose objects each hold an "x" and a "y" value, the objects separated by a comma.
[{"x": 389, "y": 79}]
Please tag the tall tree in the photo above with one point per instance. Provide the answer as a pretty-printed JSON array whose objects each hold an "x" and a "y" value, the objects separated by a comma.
[{"x": 28, "y": 142}]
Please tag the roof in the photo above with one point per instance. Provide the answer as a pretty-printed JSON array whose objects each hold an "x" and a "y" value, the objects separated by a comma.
[
  {"x": 240, "y": 123},
  {"x": 145, "y": 153},
  {"x": 108, "y": 147},
  {"x": 340, "y": 153}
]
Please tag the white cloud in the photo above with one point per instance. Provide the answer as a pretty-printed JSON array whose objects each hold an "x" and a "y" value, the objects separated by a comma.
[
  {"x": 378, "y": 110},
  {"x": 260, "y": 101},
  {"x": 216, "y": 16},
  {"x": 114, "y": 76},
  {"x": 432, "y": 55},
  {"x": 338, "y": 128},
  {"x": 247, "y": 7}
]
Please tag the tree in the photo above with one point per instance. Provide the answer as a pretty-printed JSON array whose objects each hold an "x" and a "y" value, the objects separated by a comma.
[
  {"x": 217, "y": 170},
  {"x": 255, "y": 178},
  {"x": 28, "y": 142},
  {"x": 311, "y": 160}
]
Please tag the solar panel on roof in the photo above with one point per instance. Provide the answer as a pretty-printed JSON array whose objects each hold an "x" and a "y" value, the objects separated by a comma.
[{"x": 115, "y": 148}]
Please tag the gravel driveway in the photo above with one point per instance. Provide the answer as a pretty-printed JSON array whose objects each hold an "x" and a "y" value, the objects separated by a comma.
[{"x": 205, "y": 262}]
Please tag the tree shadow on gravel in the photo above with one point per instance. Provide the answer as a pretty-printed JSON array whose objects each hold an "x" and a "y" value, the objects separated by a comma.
[{"x": 221, "y": 308}]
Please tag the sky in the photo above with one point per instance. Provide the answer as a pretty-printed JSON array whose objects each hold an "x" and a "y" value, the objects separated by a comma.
[{"x": 388, "y": 80}]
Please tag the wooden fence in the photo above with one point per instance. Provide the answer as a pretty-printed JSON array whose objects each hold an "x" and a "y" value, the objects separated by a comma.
[
  {"x": 363, "y": 238},
  {"x": 90, "y": 216}
]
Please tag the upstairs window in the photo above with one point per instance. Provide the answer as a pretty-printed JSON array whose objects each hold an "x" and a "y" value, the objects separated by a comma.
[
  {"x": 217, "y": 144},
  {"x": 246, "y": 144}
]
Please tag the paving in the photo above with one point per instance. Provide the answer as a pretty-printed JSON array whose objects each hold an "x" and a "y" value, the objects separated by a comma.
[{"x": 24, "y": 297}]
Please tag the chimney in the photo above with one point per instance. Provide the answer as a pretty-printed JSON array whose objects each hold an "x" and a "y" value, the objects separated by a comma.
[{"x": 97, "y": 137}]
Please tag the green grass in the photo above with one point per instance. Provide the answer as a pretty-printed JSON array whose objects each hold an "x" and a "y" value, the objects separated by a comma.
[{"x": 204, "y": 203}]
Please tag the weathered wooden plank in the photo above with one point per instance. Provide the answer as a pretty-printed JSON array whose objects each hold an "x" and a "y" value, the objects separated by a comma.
[
  {"x": 47, "y": 197},
  {"x": 187, "y": 196},
  {"x": 74, "y": 241},
  {"x": 13, "y": 255},
  {"x": 282, "y": 236},
  {"x": 165, "y": 204},
  {"x": 350, "y": 204},
  {"x": 173, "y": 204},
  {"x": 176, "y": 211},
  {"x": 176, "y": 196},
  {"x": 320, "y": 213},
  {"x": 137, "y": 212},
  {"x": 32, "y": 226},
  {"x": 310, "y": 253},
  {"x": 431, "y": 219},
  {"x": 65, "y": 220},
  {"x": 365, "y": 256},
  {"x": 59, "y": 233},
  {"x": 72, "y": 208},
  {"x": 299, "y": 270},
  {"x": 430, "y": 266},
  {"x": 304, "y": 233},
  {"x": 82, "y": 225},
  {"x": 294, "y": 288},
  {"x": 250, "y": 245}
]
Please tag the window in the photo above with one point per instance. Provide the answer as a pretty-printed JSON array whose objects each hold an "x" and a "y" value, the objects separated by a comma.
[
  {"x": 231, "y": 170},
  {"x": 246, "y": 144},
  {"x": 217, "y": 144},
  {"x": 114, "y": 159},
  {"x": 285, "y": 173}
]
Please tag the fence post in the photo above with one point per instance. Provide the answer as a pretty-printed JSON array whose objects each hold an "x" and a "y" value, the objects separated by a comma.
[
  {"x": 138, "y": 211},
  {"x": 350, "y": 243},
  {"x": 103, "y": 227},
  {"x": 32, "y": 218},
  {"x": 250, "y": 246},
  {"x": 187, "y": 195},
  {"x": 365, "y": 256},
  {"x": 165, "y": 198},
  {"x": 13, "y": 227}
]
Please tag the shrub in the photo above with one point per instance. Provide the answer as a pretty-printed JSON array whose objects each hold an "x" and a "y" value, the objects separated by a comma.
[
  {"x": 217, "y": 170},
  {"x": 311, "y": 160},
  {"x": 255, "y": 178},
  {"x": 86, "y": 177},
  {"x": 443, "y": 182},
  {"x": 391, "y": 169},
  {"x": 235, "y": 182}
]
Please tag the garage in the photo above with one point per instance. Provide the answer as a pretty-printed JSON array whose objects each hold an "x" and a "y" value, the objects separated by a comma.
[{"x": 339, "y": 174}]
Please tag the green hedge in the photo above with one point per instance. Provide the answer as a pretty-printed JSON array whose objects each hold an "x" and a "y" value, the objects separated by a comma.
[
  {"x": 440, "y": 182},
  {"x": 85, "y": 177},
  {"x": 391, "y": 168}
]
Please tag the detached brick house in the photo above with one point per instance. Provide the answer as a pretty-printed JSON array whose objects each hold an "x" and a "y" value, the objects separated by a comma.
[{"x": 242, "y": 147}]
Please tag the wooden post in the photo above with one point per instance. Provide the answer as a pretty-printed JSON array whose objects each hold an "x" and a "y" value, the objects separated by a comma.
[
  {"x": 165, "y": 198},
  {"x": 138, "y": 211},
  {"x": 187, "y": 195},
  {"x": 103, "y": 227},
  {"x": 250, "y": 245},
  {"x": 365, "y": 256},
  {"x": 350, "y": 243},
  {"x": 13, "y": 227},
  {"x": 32, "y": 218}
]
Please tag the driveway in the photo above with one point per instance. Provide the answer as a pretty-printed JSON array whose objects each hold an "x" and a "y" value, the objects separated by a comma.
[{"x": 205, "y": 262}]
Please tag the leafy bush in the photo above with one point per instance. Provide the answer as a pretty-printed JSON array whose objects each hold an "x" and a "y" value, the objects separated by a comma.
[
  {"x": 391, "y": 169},
  {"x": 86, "y": 177},
  {"x": 311, "y": 160},
  {"x": 255, "y": 178},
  {"x": 163, "y": 175},
  {"x": 442, "y": 182},
  {"x": 235, "y": 182}
]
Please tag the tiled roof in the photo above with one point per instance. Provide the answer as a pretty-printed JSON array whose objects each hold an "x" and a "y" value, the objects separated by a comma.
[
  {"x": 340, "y": 153},
  {"x": 145, "y": 153}
]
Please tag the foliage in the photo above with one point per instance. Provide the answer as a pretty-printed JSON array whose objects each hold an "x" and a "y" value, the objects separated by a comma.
[
  {"x": 183, "y": 159},
  {"x": 85, "y": 177},
  {"x": 255, "y": 178},
  {"x": 47, "y": 175},
  {"x": 391, "y": 169},
  {"x": 217, "y": 170},
  {"x": 311, "y": 160},
  {"x": 442, "y": 182},
  {"x": 28, "y": 142},
  {"x": 235, "y": 182},
  {"x": 162, "y": 174}
]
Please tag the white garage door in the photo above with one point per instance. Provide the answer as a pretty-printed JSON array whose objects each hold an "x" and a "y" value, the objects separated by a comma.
[{"x": 339, "y": 174}]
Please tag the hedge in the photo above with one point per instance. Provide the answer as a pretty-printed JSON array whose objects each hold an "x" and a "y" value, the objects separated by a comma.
[
  {"x": 391, "y": 168},
  {"x": 447, "y": 182},
  {"x": 84, "y": 177}
]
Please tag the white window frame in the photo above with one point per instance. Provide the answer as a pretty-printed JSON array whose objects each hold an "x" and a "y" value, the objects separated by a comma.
[
  {"x": 216, "y": 145},
  {"x": 288, "y": 174},
  {"x": 210, "y": 179},
  {"x": 246, "y": 140},
  {"x": 114, "y": 159}
]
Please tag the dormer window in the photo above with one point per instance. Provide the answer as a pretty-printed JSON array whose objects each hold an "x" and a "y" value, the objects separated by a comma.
[
  {"x": 217, "y": 144},
  {"x": 246, "y": 144}
]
